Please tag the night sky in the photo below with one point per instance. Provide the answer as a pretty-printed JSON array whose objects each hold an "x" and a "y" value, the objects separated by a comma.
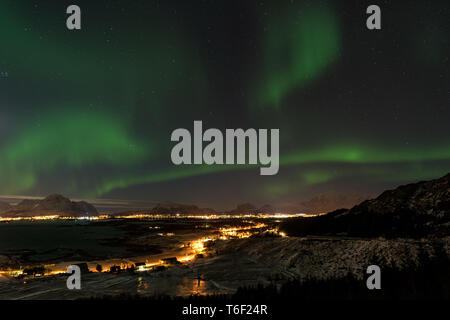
[{"x": 89, "y": 113}]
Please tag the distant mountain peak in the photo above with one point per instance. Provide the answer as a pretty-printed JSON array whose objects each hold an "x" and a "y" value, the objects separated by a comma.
[
  {"x": 414, "y": 210},
  {"x": 55, "y": 197},
  {"x": 52, "y": 204},
  {"x": 424, "y": 197},
  {"x": 331, "y": 200}
]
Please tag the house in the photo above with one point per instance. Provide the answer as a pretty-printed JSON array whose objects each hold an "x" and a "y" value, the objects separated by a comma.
[
  {"x": 170, "y": 261},
  {"x": 34, "y": 271},
  {"x": 114, "y": 269}
]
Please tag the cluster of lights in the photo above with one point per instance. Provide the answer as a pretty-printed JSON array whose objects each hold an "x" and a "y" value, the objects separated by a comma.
[
  {"x": 215, "y": 216},
  {"x": 277, "y": 232},
  {"x": 165, "y": 216},
  {"x": 167, "y": 234},
  {"x": 197, "y": 247},
  {"x": 239, "y": 232},
  {"x": 53, "y": 217}
]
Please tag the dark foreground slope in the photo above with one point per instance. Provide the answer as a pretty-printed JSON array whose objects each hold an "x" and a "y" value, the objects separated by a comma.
[{"x": 414, "y": 210}]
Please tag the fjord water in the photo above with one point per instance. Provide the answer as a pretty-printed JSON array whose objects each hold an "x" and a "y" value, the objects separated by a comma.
[{"x": 42, "y": 236}]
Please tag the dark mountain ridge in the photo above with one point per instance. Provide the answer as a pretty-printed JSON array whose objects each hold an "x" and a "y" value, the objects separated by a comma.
[
  {"x": 53, "y": 204},
  {"x": 414, "y": 210},
  {"x": 329, "y": 201},
  {"x": 169, "y": 208}
]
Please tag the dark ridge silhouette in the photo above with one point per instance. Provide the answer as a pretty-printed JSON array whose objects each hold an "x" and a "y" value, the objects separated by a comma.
[
  {"x": 414, "y": 210},
  {"x": 169, "y": 208},
  {"x": 330, "y": 201},
  {"x": 52, "y": 204},
  {"x": 4, "y": 206}
]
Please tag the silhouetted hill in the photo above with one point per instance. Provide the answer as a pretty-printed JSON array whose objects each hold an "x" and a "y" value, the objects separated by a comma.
[
  {"x": 267, "y": 208},
  {"x": 4, "y": 206},
  {"x": 248, "y": 208},
  {"x": 413, "y": 210},
  {"x": 182, "y": 209},
  {"x": 329, "y": 201},
  {"x": 169, "y": 208},
  {"x": 27, "y": 204},
  {"x": 53, "y": 204},
  {"x": 430, "y": 198},
  {"x": 324, "y": 202}
]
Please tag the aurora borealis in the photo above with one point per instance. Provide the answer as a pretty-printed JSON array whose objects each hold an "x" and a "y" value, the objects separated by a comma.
[
  {"x": 300, "y": 44},
  {"x": 89, "y": 113}
]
